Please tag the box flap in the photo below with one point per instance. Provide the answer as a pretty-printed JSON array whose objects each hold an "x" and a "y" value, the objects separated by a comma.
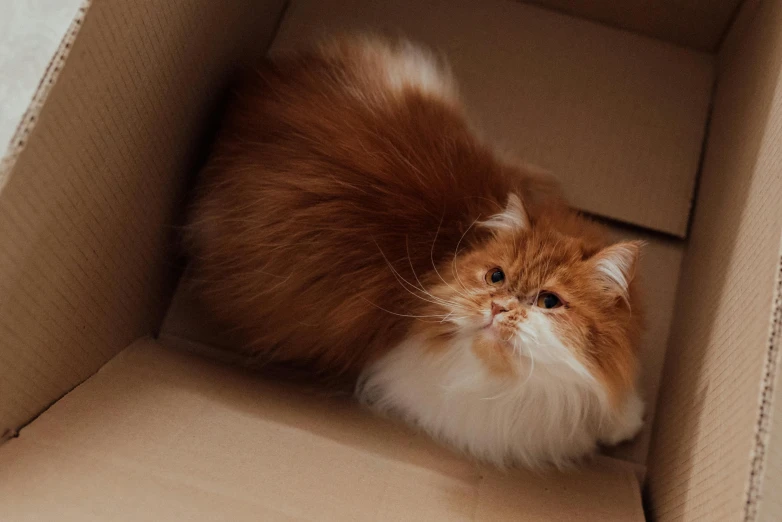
[
  {"x": 86, "y": 212},
  {"x": 163, "y": 435},
  {"x": 618, "y": 117},
  {"x": 700, "y": 24},
  {"x": 716, "y": 452}
]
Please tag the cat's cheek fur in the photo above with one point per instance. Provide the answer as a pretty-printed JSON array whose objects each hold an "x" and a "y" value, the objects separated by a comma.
[
  {"x": 546, "y": 346},
  {"x": 550, "y": 415}
]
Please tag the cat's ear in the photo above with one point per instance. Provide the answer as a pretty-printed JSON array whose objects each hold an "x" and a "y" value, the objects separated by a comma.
[
  {"x": 614, "y": 267},
  {"x": 513, "y": 218}
]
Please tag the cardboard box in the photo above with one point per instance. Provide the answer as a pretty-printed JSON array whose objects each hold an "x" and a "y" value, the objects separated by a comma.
[{"x": 665, "y": 120}]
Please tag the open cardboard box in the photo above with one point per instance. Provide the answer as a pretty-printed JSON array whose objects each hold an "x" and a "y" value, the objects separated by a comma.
[{"x": 665, "y": 120}]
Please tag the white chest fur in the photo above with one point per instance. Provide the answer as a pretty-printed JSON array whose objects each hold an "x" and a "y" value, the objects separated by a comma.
[{"x": 551, "y": 414}]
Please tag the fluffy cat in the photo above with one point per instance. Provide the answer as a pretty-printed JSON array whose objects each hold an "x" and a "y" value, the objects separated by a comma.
[{"x": 350, "y": 220}]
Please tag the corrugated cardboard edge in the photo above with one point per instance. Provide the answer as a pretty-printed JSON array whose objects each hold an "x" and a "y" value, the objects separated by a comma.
[
  {"x": 769, "y": 380},
  {"x": 49, "y": 78}
]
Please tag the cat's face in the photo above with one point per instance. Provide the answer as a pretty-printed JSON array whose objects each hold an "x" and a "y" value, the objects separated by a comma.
[{"x": 545, "y": 293}]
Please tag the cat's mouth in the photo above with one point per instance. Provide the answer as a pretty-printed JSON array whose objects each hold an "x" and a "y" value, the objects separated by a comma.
[
  {"x": 499, "y": 328},
  {"x": 488, "y": 324},
  {"x": 498, "y": 320}
]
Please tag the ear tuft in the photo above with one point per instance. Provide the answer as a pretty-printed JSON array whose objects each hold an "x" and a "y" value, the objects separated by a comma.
[
  {"x": 615, "y": 266},
  {"x": 513, "y": 218}
]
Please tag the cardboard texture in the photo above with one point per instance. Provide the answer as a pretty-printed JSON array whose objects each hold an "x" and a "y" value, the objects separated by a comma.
[
  {"x": 166, "y": 436},
  {"x": 700, "y": 24},
  {"x": 86, "y": 215},
  {"x": 95, "y": 178},
  {"x": 711, "y": 446},
  {"x": 618, "y": 117}
]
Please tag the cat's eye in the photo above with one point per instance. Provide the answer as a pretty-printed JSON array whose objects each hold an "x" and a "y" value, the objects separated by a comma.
[
  {"x": 549, "y": 300},
  {"x": 495, "y": 276}
]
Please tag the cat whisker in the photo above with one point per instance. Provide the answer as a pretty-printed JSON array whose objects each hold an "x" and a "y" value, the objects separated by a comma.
[
  {"x": 533, "y": 337},
  {"x": 421, "y": 286},
  {"x": 495, "y": 397},
  {"x": 435, "y": 300},
  {"x": 431, "y": 258},
  {"x": 456, "y": 253},
  {"x": 454, "y": 317},
  {"x": 402, "y": 281},
  {"x": 401, "y": 315},
  {"x": 515, "y": 346},
  {"x": 531, "y": 366},
  {"x": 446, "y": 317}
]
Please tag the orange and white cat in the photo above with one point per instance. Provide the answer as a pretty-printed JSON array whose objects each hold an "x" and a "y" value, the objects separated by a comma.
[{"x": 350, "y": 221}]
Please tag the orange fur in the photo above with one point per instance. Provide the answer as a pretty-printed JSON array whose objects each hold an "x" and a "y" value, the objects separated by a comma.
[
  {"x": 495, "y": 357},
  {"x": 326, "y": 225}
]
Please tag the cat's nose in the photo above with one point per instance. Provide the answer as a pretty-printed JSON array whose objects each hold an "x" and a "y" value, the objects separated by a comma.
[{"x": 497, "y": 308}]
